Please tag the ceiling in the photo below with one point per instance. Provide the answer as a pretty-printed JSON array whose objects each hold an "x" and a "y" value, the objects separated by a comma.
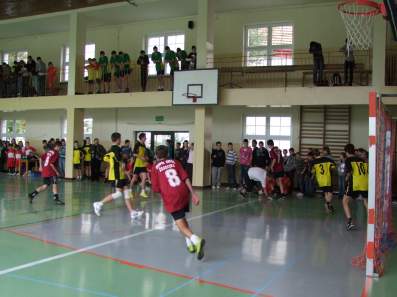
[{"x": 112, "y": 12}]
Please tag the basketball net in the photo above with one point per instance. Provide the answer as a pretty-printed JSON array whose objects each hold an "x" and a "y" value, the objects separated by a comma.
[{"x": 358, "y": 17}]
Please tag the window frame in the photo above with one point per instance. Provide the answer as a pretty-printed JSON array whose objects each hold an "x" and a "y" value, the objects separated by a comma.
[
  {"x": 13, "y": 134},
  {"x": 269, "y": 48},
  {"x": 65, "y": 64},
  {"x": 13, "y": 53},
  {"x": 166, "y": 36}
]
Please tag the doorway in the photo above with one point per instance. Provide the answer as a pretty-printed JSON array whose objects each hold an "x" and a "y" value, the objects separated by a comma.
[{"x": 156, "y": 138}]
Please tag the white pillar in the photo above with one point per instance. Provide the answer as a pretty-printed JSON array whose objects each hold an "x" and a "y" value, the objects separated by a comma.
[
  {"x": 77, "y": 40},
  {"x": 379, "y": 53},
  {"x": 205, "y": 33},
  {"x": 75, "y": 131}
]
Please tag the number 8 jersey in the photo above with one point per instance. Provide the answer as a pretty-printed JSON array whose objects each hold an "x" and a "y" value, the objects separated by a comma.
[{"x": 168, "y": 179}]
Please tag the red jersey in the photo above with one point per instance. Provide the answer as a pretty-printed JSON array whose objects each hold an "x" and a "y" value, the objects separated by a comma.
[
  {"x": 50, "y": 157},
  {"x": 18, "y": 154},
  {"x": 278, "y": 166},
  {"x": 168, "y": 179},
  {"x": 11, "y": 153},
  {"x": 28, "y": 151}
]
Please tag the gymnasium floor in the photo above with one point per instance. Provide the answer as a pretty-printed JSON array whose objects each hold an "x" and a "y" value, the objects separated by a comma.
[{"x": 254, "y": 248}]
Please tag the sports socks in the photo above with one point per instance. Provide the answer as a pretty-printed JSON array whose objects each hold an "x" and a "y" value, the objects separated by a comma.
[
  {"x": 34, "y": 194},
  {"x": 188, "y": 242},
  {"x": 195, "y": 239}
]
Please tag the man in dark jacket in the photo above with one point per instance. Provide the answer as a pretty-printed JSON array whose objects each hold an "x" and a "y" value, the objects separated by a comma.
[
  {"x": 318, "y": 62},
  {"x": 218, "y": 158},
  {"x": 97, "y": 153}
]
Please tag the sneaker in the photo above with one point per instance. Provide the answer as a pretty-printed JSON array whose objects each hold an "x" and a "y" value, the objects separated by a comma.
[
  {"x": 97, "y": 208},
  {"x": 227, "y": 188},
  {"x": 331, "y": 209},
  {"x": 31, "y": 197},
  {"x": 243, "y": 193},
  {"x": 350, "y": 226},
  {"x": 59, "y": 201},
  {"x": 143, "y": 194},
  {"x": 213, "y": 187},
  {"x": 260, "y": 192},
  {"x": 191, "y": 248},
  {"x": 299, "y": 195},
  {"x": 136, "y": 214},
  {"x": 218, "y": 187},
  {"x": 200, "y": 249}
]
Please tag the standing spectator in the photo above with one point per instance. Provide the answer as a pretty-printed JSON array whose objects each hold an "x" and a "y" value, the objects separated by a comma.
[
  {"x": 289, "y": 165},
  {"x": 276, "y": 167},
  {"x": 98, "y": 152},
  {"x": 192, "y": 58},
  {"x": 32, "y": 77},
  {"x": 170, "y": 147},
  {"x": 285, "y": 155},
  {"x": 245, "y": 163},
  {"x": 171, "y": 60},
  {"x": 105, "y": 74},
  {"x": 41, "y": 71},
  {"x": 182, "y": 58},
  {"x": 190, "y": 161},
  {"x": 326, "y": 152},
  {"x": 87, "y": 157},
  {"x": 318, "y": 62},
  {"x": 298, "y": 178},
  {"x": 218, "y": 162},
  {"x": 126, "y": 149},
  {"x": 11, "y": 159},
  {"x": 115, "y": 68},
  {"x": 143, "y": 62},
  {"x": 341, "y": 174},
  {"x": 62, "y": 158},
  {"x": 157, "y": 59},
  {"x": 347, "y": 49},
  {"x": 51, "y": 78},
  {"x": 261, "y": 155},
  {"x": 254, "y": 145},
  {"x": 185, "y": 154},
  {"x": 78, "y": 156},
  {"x": 231, "y": 161},
  {"x": 178, "y": 152},
  {"x": 3, "y": 148},
  {"x": 125, "y": 65}
]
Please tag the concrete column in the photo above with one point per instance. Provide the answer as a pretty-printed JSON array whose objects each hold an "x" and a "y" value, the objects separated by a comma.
[
  {"x": 379, "y": 53},
  {"x": 77, "y": 41},
  {"x": 75, "y": 131},
  {"x": 202, "y": 146},
  {"x": 205, "y": 33}
]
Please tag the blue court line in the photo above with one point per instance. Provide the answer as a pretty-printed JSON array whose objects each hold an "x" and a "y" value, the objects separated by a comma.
[
  {"x": 277, "y": 275},
  {"x": 212, "y": 268},
  {"x": 59, "y": 285}
]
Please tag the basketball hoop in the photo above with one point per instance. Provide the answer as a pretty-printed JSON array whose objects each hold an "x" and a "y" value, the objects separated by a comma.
[
  {"x": 358, "y": 17},
  {"x": 191, "y": 96}
]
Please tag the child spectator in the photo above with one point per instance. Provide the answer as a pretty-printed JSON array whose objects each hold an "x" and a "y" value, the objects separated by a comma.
[
  {"x": 341, "y": 174},
  {"x": 105, "y": 75},
  {"x": 178, "y": 152},
  {"x": 245, "y": 162},
  {"x": 143, "y": 62},
  {"x": 254, "y": 144},
  {"x": 192, "y": 58},
  {"x": 51, "y": 78},
  {"x": 91, "y": 76},
  {"x": 115, "y": 68},
  {"x": 62, "y": 158},
  {"x": 157, "y": 59},
  {"x": 190, "y": 161},
  {"x": 11, "y": 159},
  {"x": 261, "y": 155},
  {"x": 298, "y": 178},
  {"x": 18, "y": 157},
  {"x": 231, "y": 161},
  {"x": 289, "y": 164},
  {"x": 125, "y": 70},
  {"x": 218, "y": 158},
  {"x": 171, "y": 60},
  {"x": 182, "y": 58},
  {"x": 185, "y": 154},
  {"x": 77, "y": 157},
  {"x": 276, "y": 166}
]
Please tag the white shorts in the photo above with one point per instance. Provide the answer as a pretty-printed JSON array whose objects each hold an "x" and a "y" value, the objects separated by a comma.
[{"x": 258, "y": 174}]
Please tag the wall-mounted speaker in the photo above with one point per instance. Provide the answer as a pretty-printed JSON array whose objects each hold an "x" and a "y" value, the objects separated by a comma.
[{"x": 190, "y": 25}]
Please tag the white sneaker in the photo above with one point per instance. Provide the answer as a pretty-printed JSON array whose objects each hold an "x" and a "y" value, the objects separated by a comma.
[
  {"x": 228, "y": 188},
  {"x": 97, "y": 208},
  {"x": 136, "y": 214},
  {"x": 260, "y": 192},
  {"x": 218, "y": 187},
  {"x": 213, "y": 187}
]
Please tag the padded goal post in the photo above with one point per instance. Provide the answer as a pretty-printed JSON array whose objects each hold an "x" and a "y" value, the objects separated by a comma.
[{"x": 382, "y": 139}]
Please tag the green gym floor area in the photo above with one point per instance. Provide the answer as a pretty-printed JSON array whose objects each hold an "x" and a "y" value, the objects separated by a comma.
[{"x": 255, "y": 247}]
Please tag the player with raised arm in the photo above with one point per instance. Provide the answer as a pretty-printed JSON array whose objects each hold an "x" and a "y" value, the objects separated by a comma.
[
  {"x": 172, "y": 182},
  {"x": 49, "y": 172}
]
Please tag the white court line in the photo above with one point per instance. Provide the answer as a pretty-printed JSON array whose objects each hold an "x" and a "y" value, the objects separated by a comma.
[{"x": 98, "y": 245}]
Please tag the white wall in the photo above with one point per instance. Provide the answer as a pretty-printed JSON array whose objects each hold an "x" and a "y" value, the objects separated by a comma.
[{"x": 359, "y": 126}]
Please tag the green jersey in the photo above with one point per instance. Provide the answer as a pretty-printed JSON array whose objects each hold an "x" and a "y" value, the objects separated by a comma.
[
  {"x": 125, "y": 59},
  {"x": 170, "y": 57},
  {"x": 157, "y": 59},
  {"x": 114, "y": 61},
  {"x": 104, "y": 63},
  {"x": 182, "y": 55}
]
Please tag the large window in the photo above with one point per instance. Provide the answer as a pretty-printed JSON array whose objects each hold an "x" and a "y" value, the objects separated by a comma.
[
  {"x": 263, "y": 128},
  {"x": 13, "y": 129},
  {"x": 173, "y": 40},
  {"x": 268, "y": 45},
  {"x": 12, "y": 56},
  {"x": 89, "y": 52},
  {"x": 88, "y": 127}
]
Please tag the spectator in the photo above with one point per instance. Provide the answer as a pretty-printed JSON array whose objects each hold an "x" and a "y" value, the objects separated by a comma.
[
  {"x": 182, "y": 58},
  {"x": 171, "y": 60},
  {"x": 192, "y": 58},
  {"x": 231, "y": 161},
  {"x": 62, "y": 158},
  {"x": 289, "y": 164},
  {"x": 105, "y": 74},
  {"x": 178, "y": 152},
  {"x": 126, "y": 149},
  {"x": 32, "y": 77},
  {"x": 298, "y": 178},
  {"x": 341, "y": 174},
  {"x": 261, "y": 155},
  {"x": 276, "y": 166},
  {"x": 185, "y": 154},
  {"x": 170, "y": 146},
  {"x": 51, "y": 78},
  {"x": 157, "y": 59},
  {"x": 98, "y": 152},
  {"x": 29, "y": 152},
  {"x": 190, "y": 161},
  {"x": 318, "y": 62},
  {"x": 143, "y": 62},
  {"x": 3, "y": 156},
  {"x": 254, "y": 144},
  {"x": 285, "y": 155},
  {"x": 347, "y": 49},
  {"x": 218, "y": 162},
  {"x": 41, "y": 71},
  {"x": 245, "y": 163}
]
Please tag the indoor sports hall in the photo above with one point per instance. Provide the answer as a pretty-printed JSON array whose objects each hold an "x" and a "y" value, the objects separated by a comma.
[{"x": 187, "y": 148}]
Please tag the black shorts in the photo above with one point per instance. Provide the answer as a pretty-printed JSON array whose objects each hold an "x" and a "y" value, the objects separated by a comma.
[
  {"x": 87, "y": 163},
  {"x": 77, "y": 166},
  {"x": 53, "y": 180},
  {"x": 139, "y": 170},
  {"x": 277, "y": 175},
  {"x": 91, "y": 82},
  {"x": 354, "y": 194},
  {"x": 119, "y": 183},
  {"x": 160, "y": 72},
  {"x": 124, "y": 72},
  {"x": 107, "y": 77},
  {"x": 327, "y": 189},
  {"x": 181, "y": 214}
]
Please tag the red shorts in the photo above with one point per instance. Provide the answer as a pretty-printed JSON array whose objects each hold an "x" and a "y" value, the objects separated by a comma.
[
  {"x": 10, "y": 163},
  {"x": 17, "y": 163}
]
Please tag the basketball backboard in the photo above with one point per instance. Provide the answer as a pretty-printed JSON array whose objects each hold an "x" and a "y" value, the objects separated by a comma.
[
  {"x": 391, "y": 9},
  {"x": 195, "y": 87}
]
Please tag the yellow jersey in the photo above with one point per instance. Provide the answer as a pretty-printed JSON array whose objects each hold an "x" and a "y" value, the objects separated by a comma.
[
  {"x": 322, "y": 168},
  {"x": 76, "y": 156},
  {"x": 357, "y": 168},
  {"x": 140, "y": 151},
  {"x": 87, "y": 153},
  {"x": 116, "y": 168}
]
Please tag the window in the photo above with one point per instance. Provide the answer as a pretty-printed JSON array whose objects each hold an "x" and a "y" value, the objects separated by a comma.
[
  {"x": 13, "y": 129},
  {"x": 11, "y": 57},
  {"x": 89, "y": 52},
  {"x": 267, "y": 45},
  {"x": 263, "y": 128},
  {"x": 173, "y": 40},
  {"x": 88, "y": 125}
]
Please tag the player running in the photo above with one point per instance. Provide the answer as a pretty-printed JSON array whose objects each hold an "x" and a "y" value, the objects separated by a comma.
[
  {"x": 356, "y": 182},
  {"x": 118, "y": 178},
  {"x": 172, "y": 182},
  {"x": 49, "y": 173},
  {"x": 322, "y": 170}
]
